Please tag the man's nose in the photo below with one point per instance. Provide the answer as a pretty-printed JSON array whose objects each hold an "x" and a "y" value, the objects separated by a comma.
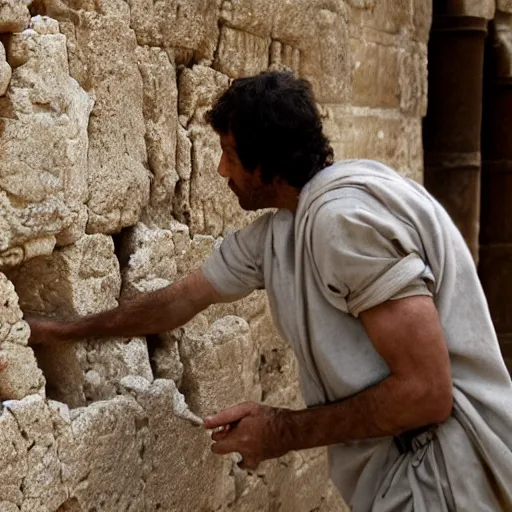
[{"x": 222, "y": 169}]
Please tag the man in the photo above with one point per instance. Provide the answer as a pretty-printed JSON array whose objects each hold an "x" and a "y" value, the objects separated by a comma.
[{"x": 373, "y": 286}]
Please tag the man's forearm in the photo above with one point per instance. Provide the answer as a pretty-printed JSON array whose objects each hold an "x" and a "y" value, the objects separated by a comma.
[
  {"x": 151, "y": 313},
  {"x": 388, "y": 408}
]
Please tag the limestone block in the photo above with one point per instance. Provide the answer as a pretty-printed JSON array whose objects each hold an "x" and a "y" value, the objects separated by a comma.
[
  {"x": 179, "y": 452},
  {"x": 5, "y": 71},
  {"x": 190, "y": 27},
  {"x": 19, "y": 374},
  {"x": 388, "y": 16},
  {"x": 103, "y": 58},
  {"x": 150, "y": 256},
  {"x": 43, "y": 488},
  {"x": 286, "y": 485},
  {"x": 14, "y": 461},
  {"x": 80, "y": 279},
  {"x": 375, "y": 72},
  {"x": 14, "y": 15},
  {"x": 241, "y": 54},
  {"x": 392, "y": 139},
  {"x": 314, "y": 31},
  {"x": 209, "y": 383},
  {"x": 413, "y": 80},
  {"x": 102, "y": 455},
  {"x": 160, "y": 109},
  {"x": 44, "y": 118},
  {"x": 278, "y": 370}
]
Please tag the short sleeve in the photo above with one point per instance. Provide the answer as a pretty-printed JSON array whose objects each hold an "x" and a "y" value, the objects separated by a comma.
[
  {"x": 365, "y": 256},
  {"x": 235, "y": 267}
]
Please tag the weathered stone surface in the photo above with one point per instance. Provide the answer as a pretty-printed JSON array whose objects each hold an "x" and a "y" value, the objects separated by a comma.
[
  {"x": 80, "y": 279},
  {"x": 203, "y": 352},
  {"x": 391, "y": 138},
  {"x": 44, "y": 118},
  {"x": 241, "y": 54},
  {"x": 388, "y": 16},
  {"x": 19, "y": 374},
  {"x": 14, "y": 15},
  {"x": 190, "y": 27},
  {"x": 375, "y": 74},
  {"x": 5, "y": 71},
  {"x": 103, "y": 58},
  {"x": 316, "y": 33},
  {"x": 160, "y": 109}
]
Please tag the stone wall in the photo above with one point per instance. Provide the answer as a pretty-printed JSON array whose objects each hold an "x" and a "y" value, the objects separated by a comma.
[{"x": 108, "y": 188}]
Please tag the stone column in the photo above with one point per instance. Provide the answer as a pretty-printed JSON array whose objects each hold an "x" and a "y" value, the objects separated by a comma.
[
  {"x": 496, "y": 216},
  {"x": 452, "y": 126}
]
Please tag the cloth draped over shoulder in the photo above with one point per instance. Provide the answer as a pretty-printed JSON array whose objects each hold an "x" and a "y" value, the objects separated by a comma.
[{"x": 362, "y": 234}]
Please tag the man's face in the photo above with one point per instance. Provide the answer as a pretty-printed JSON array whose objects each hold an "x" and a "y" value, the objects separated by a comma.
[{"x": 252, "y": 193}]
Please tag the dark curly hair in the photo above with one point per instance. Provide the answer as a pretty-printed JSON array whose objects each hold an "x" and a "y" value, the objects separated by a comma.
[{"x": 275, "y": 124}]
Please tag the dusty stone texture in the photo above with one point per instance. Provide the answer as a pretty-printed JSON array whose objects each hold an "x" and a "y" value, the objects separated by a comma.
[
  {"x": 315, "y": 32},
  {"x": 43, "y": 117},
  {"x": 80, "y": 279},
  {"x": 103, "y": 58},
  {"x": 5, "y": 71},
  {"x": 125, "y": 150},
  {"x": 19, "y": 374},
  {"x": 189, "y": 28},
  {"x": 160, "y": 110},
  {"x": 14, "y": 16}
]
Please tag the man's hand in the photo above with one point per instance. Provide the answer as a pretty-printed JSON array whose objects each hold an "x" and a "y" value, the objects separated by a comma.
[{"x": 257, "y": 432}]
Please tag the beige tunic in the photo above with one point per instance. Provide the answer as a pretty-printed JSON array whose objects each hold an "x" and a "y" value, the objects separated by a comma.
[{"x": 363, "y": 235}]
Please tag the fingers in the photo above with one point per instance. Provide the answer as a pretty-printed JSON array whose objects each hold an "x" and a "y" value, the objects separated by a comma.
[
  {"x": 225, "y": 446},
  {"x": 248, "y": 464},
  {"x": 221, "y": 432},
  {"x": 230, "y": 415}
]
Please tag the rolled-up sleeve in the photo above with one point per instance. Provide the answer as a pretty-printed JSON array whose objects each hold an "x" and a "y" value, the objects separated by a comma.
[
  {"x": 235, "y": 267},
  {"x": 367, "y": 256}
]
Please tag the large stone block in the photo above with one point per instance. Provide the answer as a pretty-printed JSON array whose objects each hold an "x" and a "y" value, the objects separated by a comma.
[
  {"x": 103, "y": 58},
  {"x": 80, "y": 279},
  {"x": 43, "y": 119},
  {"x": 189, "y": 27},
  {"x": 240, "y": 53},
  {"x": 413, "y": 81},
  {"x": 375, "y": 74},
  {"x": 220, "y": 364},
  {"x": 14, "y": 16},
  {"x": 19, "y": 374},
  {"x": 389, "y": 16},
  {"x": 315, "y": 32},
  {"x": 160, "y": 109},
  {"x": 392, "y": 139}
]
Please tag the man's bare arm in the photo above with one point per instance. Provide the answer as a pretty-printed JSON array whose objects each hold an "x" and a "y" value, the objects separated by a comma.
[
  {"x": 418, "y": 392},
  {"x": 151, "y": 313},
  {"x": 407, "y": 334}
]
